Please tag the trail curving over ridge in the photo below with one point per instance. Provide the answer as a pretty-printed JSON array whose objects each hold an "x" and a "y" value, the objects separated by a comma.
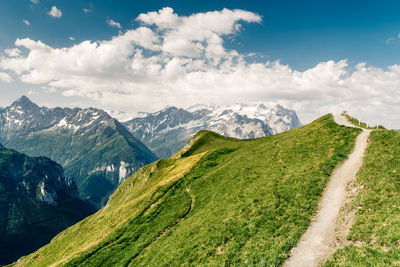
[{"x": 318, "y": 241}]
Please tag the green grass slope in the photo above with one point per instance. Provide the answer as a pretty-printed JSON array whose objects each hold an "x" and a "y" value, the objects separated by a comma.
[
  {"x": 375, "y": 232},
  {"x": 218, "y": 201}
]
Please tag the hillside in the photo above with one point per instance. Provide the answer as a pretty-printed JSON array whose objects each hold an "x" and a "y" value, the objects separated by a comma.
[
  {"x": 218, "y": 201},
  {"x": 36, "y": 203},
  {"x": 167, "y": 130},
  {"x": 374, "y": 237},
  {"x": 95, "y": 150}
]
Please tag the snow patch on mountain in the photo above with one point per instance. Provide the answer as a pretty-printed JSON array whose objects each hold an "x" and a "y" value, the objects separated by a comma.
[
  {"x": 106, "y": 168},
  {"x": 46, "y": 196},
  {"x": 62, "y": 123},
  {"x": 123, "y": 171}
]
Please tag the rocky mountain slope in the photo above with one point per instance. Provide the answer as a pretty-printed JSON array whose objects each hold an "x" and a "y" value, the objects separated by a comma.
[
  {"x": 95, "y": 150},
  {"x": 166, "y": 131},
  {"x": 219, "y": 201},
  {"x": 36, "y": 202}
]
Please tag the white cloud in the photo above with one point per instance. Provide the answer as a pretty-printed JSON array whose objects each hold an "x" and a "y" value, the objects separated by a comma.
[
  {"x": 27, "y": 23},
  {"x": 13, "y": 52},
  {"x": 199, "y": 33},
  {"x": 55, "y": 12},
  {"x": 4, "y": 77},
  {"x": 88, "y": 10},
  {"x": 165, "y": 18},
  {"x": 35, "y": 1},
  {"x": 182, "y": 60},
  {"x": 72, "y": 38},
  {"x": 392, "y": 39},
  {"x": 113, "y": 23}
]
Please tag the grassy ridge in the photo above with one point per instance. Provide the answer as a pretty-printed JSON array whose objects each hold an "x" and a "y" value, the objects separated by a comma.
[
  {"x": 256, "y": 204},
  {"x": 376, "y": 228},
  {"x": 235, "y": 202}
]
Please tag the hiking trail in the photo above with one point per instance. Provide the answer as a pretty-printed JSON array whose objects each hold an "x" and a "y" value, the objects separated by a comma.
[{"x": 318, "y": 242}]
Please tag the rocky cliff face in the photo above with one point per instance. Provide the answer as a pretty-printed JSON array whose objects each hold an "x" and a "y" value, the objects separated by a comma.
[
  {"x": 166, "y": 131},
  {"x": 36, "y": 202},
  {"x": 95, "y": 150}
]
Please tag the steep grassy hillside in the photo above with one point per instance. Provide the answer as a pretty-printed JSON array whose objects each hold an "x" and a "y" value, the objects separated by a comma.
[
  {"x": 219, "y": 201},
  {"x": 375, "y": 232}
]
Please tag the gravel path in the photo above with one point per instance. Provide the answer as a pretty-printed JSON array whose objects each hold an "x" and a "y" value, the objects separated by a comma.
[{"x": 319, "y": 240}]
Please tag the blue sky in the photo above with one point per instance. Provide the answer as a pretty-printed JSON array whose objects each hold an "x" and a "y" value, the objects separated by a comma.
[
  {"x": 298, "y": 33},
  {"x": 318, "y": 44}
]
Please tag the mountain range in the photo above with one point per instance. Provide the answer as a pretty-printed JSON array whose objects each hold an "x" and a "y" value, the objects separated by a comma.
[
  {"x": 95, "y": 150},
  {"x": 36, "y": 202},
  {"x": 167, "y": 130},
  {"x": 98, "y": 152}
]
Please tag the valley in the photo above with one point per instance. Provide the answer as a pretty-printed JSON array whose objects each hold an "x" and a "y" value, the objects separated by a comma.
[
  {"x": 36, "y": 202},
  {"x": 95, "y": 150}
]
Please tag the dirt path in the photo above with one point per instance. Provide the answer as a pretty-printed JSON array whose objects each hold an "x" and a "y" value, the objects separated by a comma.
[
  {"x": 182, "y": 217},
  {"x": 319, "y": 240}
]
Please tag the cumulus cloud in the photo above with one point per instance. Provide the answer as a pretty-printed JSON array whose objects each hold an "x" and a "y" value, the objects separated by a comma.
[
  {"x": 35, "y": 1},
  {"x": 4, "y": 77},
  {"x": 27, "y": 23},
  {"x": 182, "y": 60},
  {"x": 72, "y": 38},
  {"x": 113, "y": 23},
  {"x": 55, "y": 12},
  {"x": 198, "y": 34},
  {"x": 13, "y": 52}
]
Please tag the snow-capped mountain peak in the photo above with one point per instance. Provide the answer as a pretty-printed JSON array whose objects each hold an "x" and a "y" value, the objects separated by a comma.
[{"x": 165, "y": 131}]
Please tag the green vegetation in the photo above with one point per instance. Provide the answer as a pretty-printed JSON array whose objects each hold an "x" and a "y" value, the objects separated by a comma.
[
  {"x": 376, "y": 228},
  {"x": 221, "y": 201},
  {"x": 361, "y": 124}
]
